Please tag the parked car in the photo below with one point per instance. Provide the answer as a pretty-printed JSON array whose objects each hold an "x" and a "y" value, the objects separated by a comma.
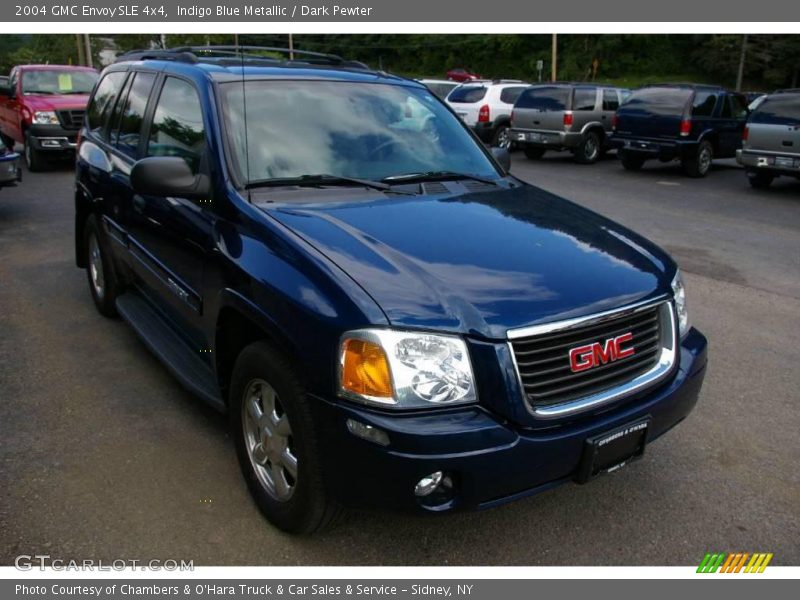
[
  {"x": 460, "y": 75},
  {"x": 486, "y": 107},
  {"x": 382, "y": 311},
  {"x": 10, "y": 172},
  {"x": 565, "y": 116},
  {"x": 42, "y": 107},
  {"x": 771, "y": 141},
  {"x": 690, "y": 123},
  {"x": 440, "y": 87}
]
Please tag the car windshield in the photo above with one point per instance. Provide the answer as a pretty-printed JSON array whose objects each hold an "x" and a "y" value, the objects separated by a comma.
[
  {"x": 544, "y": 98},
  {"x": 58, "y": 81},
  {"x": 778, "y": 110},
  {"x": 659, "y": 100},
  {"x": 291, "y": 129}
]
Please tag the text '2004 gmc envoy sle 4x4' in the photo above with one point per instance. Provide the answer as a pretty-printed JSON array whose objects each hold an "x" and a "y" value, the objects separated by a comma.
[{"x": 329, "y": 255}]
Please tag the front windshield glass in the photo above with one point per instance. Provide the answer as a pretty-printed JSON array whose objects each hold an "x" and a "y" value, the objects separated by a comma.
[
  {"x": 288, "y": 129},
  {"x": 58, "y": 81}
]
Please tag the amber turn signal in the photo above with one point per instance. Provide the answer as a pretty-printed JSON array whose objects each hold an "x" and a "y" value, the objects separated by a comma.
[{"x": 366, "y": 370}]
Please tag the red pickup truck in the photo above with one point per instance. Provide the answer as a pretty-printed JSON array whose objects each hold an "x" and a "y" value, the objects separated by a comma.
[{"x": 42, "y": 107}]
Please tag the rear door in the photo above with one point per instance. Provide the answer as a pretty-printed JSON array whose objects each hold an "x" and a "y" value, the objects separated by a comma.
[
  {"x": 654, "y": 112},
  {"x": 611, "y": 100},
  {"x": 774, "y": 127},
  {"x": 584, "y": 106},
  {"x": 732, "y": 118},
  {"x": 542, "y": 107}
]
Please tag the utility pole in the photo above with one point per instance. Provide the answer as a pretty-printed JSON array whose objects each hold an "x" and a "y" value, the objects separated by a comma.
[
  {"x": 291, "y": 47},
  {"x": 554, "y": 63},
  {"x": 742, "y": 56},
  {"x": 79, "y": 41},
  {"x": 88, "y": 43}
]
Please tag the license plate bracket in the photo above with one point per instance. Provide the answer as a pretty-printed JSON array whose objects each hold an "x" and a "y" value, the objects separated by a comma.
[
  {"x": 785, "y": 162},
  {"x": 612, "y": 450}
]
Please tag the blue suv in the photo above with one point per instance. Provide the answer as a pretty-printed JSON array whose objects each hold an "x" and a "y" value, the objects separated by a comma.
[
  {"x": 691, "y": 123},
  {"x": 331, "y": 257}
]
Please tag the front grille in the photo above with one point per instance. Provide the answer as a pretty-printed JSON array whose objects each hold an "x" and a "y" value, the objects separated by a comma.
[
  {"x": 71, "y": 119},
  {"x": 544, "y": 364}
]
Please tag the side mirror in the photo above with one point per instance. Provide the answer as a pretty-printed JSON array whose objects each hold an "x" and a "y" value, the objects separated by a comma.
[
  {"x": 168, "y": 176},
  {"x": 502, "y": 156}
]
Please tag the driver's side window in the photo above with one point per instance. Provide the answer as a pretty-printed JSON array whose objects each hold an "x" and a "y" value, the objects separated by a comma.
[{"x": 177, "y": 128}]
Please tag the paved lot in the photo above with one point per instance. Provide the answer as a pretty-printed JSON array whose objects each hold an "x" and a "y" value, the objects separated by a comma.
[{"x": 103, "y": 455}]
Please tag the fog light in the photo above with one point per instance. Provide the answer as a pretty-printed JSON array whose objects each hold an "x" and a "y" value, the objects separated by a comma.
[
  {"x": 428, "y": 484},
  {"x": 368, "y": 432}
]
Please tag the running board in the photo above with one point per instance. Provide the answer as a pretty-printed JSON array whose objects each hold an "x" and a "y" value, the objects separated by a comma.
[{"x": 181, "y": 360}]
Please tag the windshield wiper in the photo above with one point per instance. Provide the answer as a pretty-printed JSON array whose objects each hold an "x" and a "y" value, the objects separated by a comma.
[
  {"x": 323, "y": 179},
  {"x": 436, "y": 176}
]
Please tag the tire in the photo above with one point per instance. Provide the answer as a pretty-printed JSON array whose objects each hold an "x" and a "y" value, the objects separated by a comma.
[
  {"x": 588, "y": 151},
  {"x": 284, "y": 478},
  {"x": 9, "y": 142},
  {"x": 630, "y": 162},
  {"x": 33, "y": 158},
  {"x": 759, "y": 179},
  {"x": 534, "y": 153},
  {"x": 103, "y": 283},
  {"x": 502, "y": 138},
  {"x": 700, "y": 164}
]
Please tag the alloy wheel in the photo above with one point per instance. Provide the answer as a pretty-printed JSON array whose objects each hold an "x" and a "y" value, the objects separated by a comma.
[{"x": 96, "y": 267}]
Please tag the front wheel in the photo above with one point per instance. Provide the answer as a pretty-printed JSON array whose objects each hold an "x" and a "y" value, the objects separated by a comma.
[
  {"x": 630, "y": 162},
  {"x": 759, "y": 179},
  {"x": 700, "y": 164},
  {"x": 34, "y": 159},
  {"x": 588, "y": 151},
  {"x": 276, "y": 441},
  {"x": 534, "y": 153}
]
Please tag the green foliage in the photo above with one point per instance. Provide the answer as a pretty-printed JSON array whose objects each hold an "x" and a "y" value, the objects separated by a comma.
[{"x": 627, "y": 59}]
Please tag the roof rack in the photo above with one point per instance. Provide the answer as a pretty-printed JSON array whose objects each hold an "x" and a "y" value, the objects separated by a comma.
[{"x": 196, "y": 54}]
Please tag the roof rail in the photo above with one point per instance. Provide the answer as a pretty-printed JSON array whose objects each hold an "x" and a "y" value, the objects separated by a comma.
[{"x": 195, "y": 54}]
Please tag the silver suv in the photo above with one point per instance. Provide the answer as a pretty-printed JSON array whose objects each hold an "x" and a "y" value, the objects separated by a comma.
[
  {"x": 771, "y": 141},
  {"x": 565, "y": 116}
]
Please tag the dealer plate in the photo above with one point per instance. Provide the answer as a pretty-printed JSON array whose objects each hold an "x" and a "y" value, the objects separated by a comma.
[{"x": 612, "y": 450}]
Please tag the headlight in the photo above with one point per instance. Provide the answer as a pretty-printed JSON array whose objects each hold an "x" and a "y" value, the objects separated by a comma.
[
  {"x": 45, "y": 117},
  {"x": 679, "y": 293},
  {"x": 405, "y": 370}
]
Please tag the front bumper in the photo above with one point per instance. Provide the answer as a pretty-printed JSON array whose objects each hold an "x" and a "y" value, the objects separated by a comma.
[
  {"x": 490, "y": 460},
  {"x": 10, "y": 171},
  {"x": 649, "y": 148},
  {"x": 774, "y": 163},
  {"x": 544, "y": 138},
  {"x": 52, "y": 138}
]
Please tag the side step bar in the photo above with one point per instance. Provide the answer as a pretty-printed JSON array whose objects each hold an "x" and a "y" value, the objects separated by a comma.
[{"x": 181, "y": 360}]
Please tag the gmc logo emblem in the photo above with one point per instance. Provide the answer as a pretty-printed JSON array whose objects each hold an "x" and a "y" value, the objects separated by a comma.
[{"x": 593, "y": 355}]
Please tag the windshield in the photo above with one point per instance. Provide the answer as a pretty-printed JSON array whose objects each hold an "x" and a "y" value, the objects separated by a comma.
[
  {"x": 344, "y": 129},
  {"x": 659, "y": 100},
  {"x": 778, "y": 110},
  {"x": 58, "y": 81}
]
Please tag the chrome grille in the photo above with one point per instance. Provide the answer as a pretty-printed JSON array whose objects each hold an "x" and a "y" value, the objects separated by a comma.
[
  {"x": 543, "y": 358},
  {"x": 71, "y": 119}
]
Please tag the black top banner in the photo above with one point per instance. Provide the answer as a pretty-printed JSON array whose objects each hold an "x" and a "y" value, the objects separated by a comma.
[{"x": 450, "y": 11}]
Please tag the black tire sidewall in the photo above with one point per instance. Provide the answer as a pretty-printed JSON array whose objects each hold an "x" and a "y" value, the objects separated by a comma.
[
  {"x": 309, "y": 507},
  {"x": 580, "y": 151},
  {"x": 630, "y": 162},
  {"x": 533, "y": 153},
  {"x": 33, "y": 158},
  {"x": 107, "y": 304}
]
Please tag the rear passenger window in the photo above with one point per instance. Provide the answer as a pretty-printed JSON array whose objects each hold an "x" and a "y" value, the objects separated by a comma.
[
  {"x": 103, "y": 101},
  {"x": 584, "y": 98},
  {"x": 510, "y": 95},
  {"x": 610, "y": 100},
  {"x": 703, "y": 104},
  {"x": 739, "y": 107},
  {"x": 130, "y": 127},
  {"x": 177, "y": 128}
]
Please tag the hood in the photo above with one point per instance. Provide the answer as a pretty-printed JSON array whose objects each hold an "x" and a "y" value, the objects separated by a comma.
[
  {"x": 482, "y": 263},
  {"x": 56, "y": 102}
]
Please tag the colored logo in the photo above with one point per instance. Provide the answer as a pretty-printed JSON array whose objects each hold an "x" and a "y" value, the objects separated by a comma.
[
  {"x": 737, "y": 562},
  {"x": 594, "y": 355}
]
